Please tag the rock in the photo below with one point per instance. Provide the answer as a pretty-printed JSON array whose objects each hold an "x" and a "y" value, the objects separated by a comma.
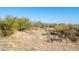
[{"x": 51, "y": 38}]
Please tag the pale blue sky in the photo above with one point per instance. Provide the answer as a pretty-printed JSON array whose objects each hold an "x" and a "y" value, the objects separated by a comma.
[{"x": 44, "y": 14}]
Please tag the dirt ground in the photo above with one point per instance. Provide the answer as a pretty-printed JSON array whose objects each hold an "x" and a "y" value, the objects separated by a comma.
[{"x": 33, "y": 41}]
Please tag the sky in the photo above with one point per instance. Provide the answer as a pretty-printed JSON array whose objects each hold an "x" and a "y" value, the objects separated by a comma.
[{"x": 44, "y": 14}]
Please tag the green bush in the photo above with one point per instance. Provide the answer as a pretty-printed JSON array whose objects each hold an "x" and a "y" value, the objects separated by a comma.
[
  {"x": 6, "y": 26},
  {"x": 67, "y": 30},
  {"x": 22, "y": 24},
  {"x": 39, "y": 24},
  {"x": 10, "y": 24},
  {"x": 59, "y": 27}
]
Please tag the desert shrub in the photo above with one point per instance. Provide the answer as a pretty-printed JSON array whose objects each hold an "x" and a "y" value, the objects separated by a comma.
[
  {"x": 39, "y": 24},
  {"x": 66, "y": 30},
  {"x": 70, "y": 34},
  {"x": 59, "y": 27},
  {"x": 10, "y": 24},
  {"x": 51, "y": 25},
  {"x": 6, "y": 26},
  {"x": 22, "y": 24}
]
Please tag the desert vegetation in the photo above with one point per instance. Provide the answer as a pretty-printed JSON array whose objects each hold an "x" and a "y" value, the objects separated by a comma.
[
  {"x": 10, "y": 24},
  {"x": 48, "y": 32}
]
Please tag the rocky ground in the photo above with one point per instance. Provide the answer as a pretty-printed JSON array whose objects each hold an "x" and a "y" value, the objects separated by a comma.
[{"x": 34, "y": 40}]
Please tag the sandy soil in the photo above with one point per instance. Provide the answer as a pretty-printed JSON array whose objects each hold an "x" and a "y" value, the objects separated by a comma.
[{"x": 34, "y": 41}]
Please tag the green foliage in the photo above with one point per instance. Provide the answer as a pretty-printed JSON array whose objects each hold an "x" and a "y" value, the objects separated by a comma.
[
  {"x": 6, "y": 26},
  {"x": 50, "y": 25},
  {"x": 59, "y": 27},
  {"x": 66, "y": 29},
  {"x": 39, "y": 24},
  {"x": 22, "y": 24},
  {"x": 10, "y": 24}
]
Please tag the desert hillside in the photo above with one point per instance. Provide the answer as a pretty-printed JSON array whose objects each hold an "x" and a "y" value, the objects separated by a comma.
[
  {"x": 34, "y": 40},
  {"x": 21, "y": 34}
]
